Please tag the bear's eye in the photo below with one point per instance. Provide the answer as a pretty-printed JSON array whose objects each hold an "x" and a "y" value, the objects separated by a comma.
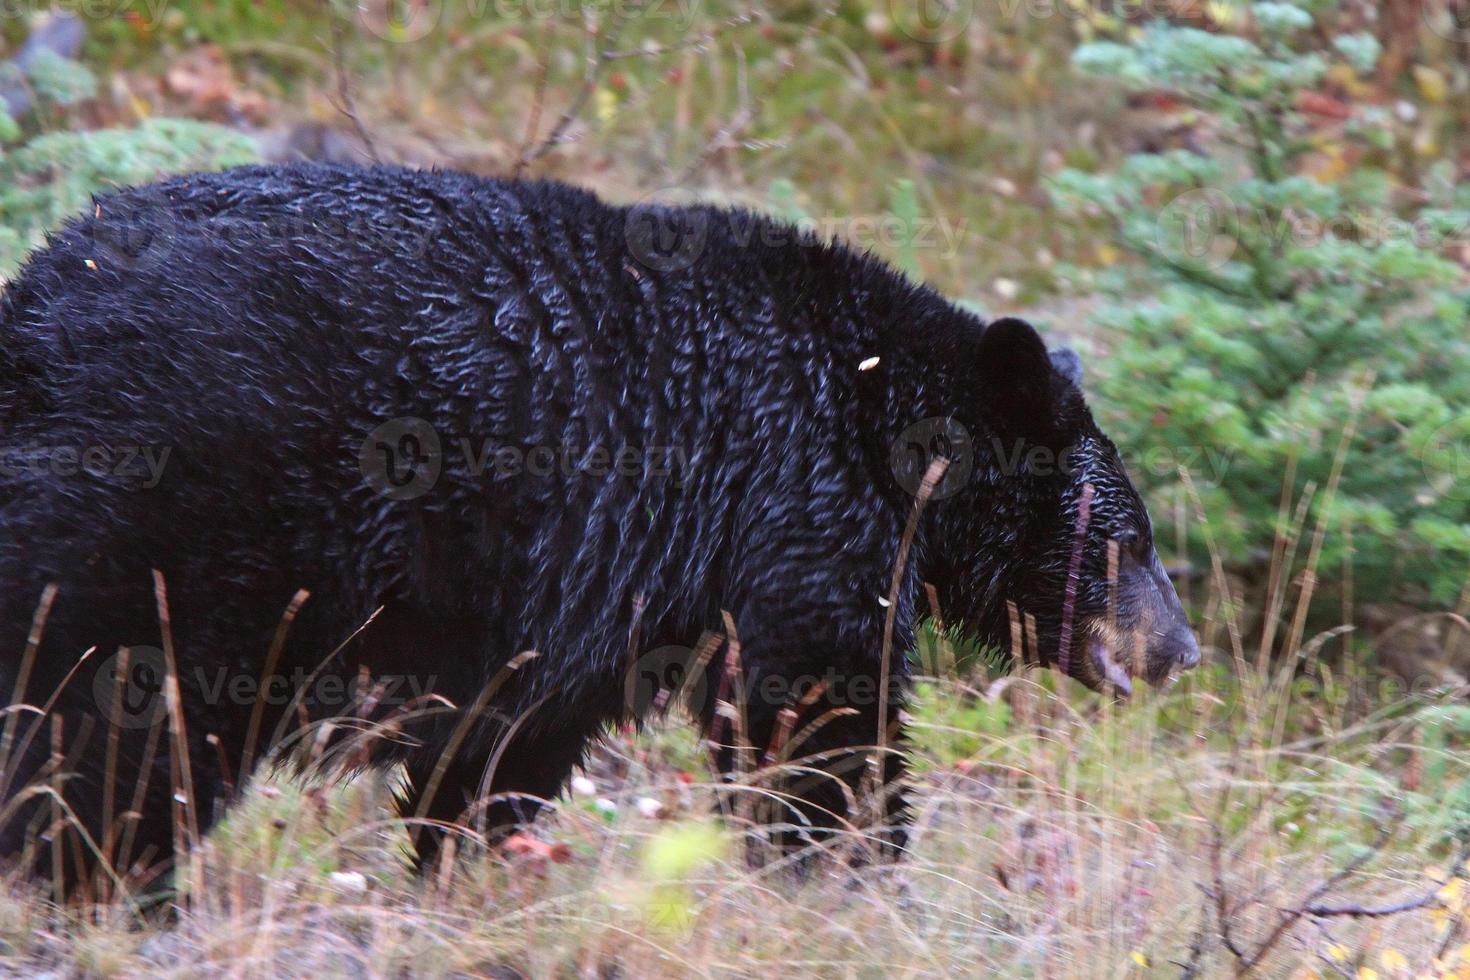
[{"x": 1133, "y": 544}]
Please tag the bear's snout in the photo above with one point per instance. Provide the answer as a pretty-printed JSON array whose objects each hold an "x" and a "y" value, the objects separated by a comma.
[
  {"x": 1148, "y": 634},
  {"x": 1171, "y": 642}
]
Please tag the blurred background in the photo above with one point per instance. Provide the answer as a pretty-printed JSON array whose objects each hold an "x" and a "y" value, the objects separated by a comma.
[{"x": 1252, "y": 220}]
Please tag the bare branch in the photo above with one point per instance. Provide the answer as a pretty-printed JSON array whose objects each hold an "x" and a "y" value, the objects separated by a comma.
[
  {"x": 345, "y": 102},
  {"x": 599, "y": 54}
]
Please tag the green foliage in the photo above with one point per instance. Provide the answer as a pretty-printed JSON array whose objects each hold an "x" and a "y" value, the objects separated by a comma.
[
  {"x": 948, "y": 728},
  {"x": 1289, "y": 292},
  {"x": 49, "y": 173},
  {"x": 53, "y": 176},
  {"x": 1443, "y": 801},
  {"x": 904, "y": 205},
  {"x": 673, "y": 855},
  {"x": 60, "y": 80}
]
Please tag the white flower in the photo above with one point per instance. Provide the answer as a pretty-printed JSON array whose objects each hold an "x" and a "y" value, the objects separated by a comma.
[
  {"x": 583, "y": 786},
  {"x": 649, "y": 807},
  {"x": 352, "y": 882}
]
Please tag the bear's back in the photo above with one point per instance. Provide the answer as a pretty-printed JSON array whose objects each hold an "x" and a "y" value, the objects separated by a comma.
[
  {"x": 265, "y": 323},
  {"x": 262, "y": 288}
]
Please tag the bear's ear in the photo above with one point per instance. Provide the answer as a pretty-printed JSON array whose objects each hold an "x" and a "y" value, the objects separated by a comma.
[
  {"x": 1017, "y": 374},
  {"x": 1068, "y": 365}
]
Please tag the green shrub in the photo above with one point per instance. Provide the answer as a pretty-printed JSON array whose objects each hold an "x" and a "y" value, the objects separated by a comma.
[
  {"x": 1288, "y": 289},
  {"x": 47, "y": 177}
]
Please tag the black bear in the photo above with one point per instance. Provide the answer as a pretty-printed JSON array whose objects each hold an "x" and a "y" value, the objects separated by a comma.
[{"x": 475, "y": 469}]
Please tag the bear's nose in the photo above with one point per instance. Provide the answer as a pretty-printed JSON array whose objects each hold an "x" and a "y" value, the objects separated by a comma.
[{"x": 1186, "y": 648}]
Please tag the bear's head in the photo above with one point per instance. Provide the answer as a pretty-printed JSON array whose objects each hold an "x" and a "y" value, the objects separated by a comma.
[{"x": 1041, "y": 545}]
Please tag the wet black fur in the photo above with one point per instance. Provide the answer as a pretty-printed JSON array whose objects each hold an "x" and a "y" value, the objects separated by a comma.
[{"x": 262, "y": 322}]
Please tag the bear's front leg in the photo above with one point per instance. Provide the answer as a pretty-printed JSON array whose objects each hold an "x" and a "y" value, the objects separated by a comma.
[
  {"x": 798, "y": 734},
  {"x": 493, "y": 787}
]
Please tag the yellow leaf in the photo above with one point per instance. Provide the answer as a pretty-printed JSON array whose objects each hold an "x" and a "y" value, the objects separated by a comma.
[
  {"x": 1393, "y": 961},
  {"x": 606, "y": 105},
  {"x": 1453, "y": 893},
  {"x": 1367, "y": 973},
  {"x": 681, "y": 849},
  {"x": 1221, "y": 13},
  {"x": 1339, "y": 952},
  {"x": 1346, "y": 78},
  {"x": 1139, "y": 958},
  {"x": 1431, "y": 83},
  {"x": 1328, "y": 166},
  {"x": 1426, "y": 145}
]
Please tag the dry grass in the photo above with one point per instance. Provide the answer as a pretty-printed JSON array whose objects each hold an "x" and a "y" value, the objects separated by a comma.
[
  {"x": 1079, "y": 839},
  {"x": 1056, "y": 835}
]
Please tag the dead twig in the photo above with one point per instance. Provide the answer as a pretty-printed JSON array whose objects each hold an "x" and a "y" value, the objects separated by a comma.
[
  {"x": 599, "y": 54},
  {"x": 1310, "y": 907},
  {"x": 1291, "y": 916},
  {"x": 345, "y": 103}
]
